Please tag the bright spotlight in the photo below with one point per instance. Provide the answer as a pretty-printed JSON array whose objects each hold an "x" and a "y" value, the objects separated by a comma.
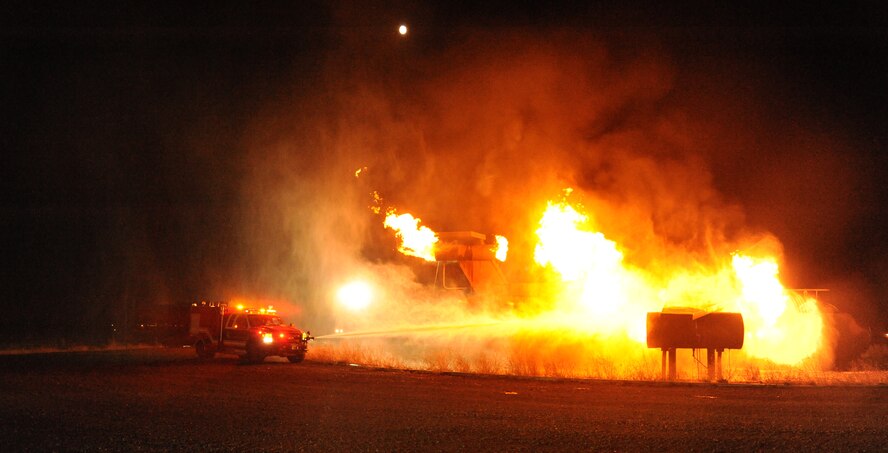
[
  {"x": 355, "y": 296},
  {"x": 402, "y": 29}
]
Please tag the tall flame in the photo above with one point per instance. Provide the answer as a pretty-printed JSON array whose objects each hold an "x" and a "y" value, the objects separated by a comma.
[
  {"x": 570, "y": 251},
  {"x": 416, "y": 240},
  {"x": 777, "y": 328},
  {"x": 502, "y": 248},
  {"x": 597, "y": 286}
]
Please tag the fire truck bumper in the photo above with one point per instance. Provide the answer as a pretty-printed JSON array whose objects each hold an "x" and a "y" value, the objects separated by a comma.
[{"x": 286, "y": 349}]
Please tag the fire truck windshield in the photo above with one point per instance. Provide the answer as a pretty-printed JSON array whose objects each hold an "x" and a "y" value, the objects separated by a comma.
[{"x": 265, "y": 320}]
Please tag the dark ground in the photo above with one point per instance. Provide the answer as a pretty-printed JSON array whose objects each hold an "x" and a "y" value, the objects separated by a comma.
[{"x": 166, "y": 400}]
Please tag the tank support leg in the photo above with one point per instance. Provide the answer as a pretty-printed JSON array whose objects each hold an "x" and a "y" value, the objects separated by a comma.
[
  {"x": 672, "y": 360},
  {"x": 710, "y": 364},
  {"x": 667, "y": 363}
]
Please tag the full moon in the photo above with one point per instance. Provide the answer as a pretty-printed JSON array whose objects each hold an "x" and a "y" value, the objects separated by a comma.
[{"x": 402, "y": 29}]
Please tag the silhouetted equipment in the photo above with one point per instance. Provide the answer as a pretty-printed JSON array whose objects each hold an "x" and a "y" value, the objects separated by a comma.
[
  {"x": 467, "y": 262},
  {"x": 714, "y": 332}
]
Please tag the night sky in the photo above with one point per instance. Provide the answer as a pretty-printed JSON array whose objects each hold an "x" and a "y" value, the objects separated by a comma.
[{"x": 146, "y": 146}]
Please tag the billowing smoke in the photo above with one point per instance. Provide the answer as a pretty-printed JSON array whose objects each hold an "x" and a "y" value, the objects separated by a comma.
[{"x": 479, "y": 134}]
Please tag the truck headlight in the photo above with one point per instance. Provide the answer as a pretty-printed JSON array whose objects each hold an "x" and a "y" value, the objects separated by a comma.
[{"x": 267, "y": 338}]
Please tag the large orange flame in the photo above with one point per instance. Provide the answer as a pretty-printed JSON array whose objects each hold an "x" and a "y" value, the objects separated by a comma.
[
  {"x": 777, "y": 328},
  {"x": 598, "y": 289},
  {"x": 502, "y": 248},
  {"x": 605, "y": 295},
  {"x": 416, "y": 240}
]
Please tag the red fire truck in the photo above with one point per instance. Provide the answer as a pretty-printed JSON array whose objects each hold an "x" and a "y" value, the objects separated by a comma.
[{"x": 253, "y": 334}]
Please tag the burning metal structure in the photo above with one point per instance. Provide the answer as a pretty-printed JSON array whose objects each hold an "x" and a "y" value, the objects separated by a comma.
[{"x": 469, "y": 261}]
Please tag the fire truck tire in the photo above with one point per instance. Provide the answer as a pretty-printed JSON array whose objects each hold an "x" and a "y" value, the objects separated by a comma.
[
  {"x": 204, "y": 349},
  {"x": 296, "y": 358},
  {"x": 254, "y": 353}
]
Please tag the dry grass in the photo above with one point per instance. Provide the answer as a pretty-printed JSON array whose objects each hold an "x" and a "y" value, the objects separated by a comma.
[
  {"x": 354, "y": 353},
  {"x": 875, "y": 358},
  {"x": 485, "y": 364},
  {"x": 548, "y": 354},
  {"x": 815, "y": 377},
  {"x": 462, "y": 365},
  {"x": 440, "y": 361},
  {"x": 537, "y": 355}
]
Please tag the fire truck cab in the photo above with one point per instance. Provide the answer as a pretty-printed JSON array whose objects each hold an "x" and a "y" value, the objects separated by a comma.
[{"x": 252, "y": 334}]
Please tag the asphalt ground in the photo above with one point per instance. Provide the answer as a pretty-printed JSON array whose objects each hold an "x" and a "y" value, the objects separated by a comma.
[{"x": 167, "y": 400}]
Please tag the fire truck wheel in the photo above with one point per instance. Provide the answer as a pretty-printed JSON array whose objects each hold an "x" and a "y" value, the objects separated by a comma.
[
  {"x": 296, "y": 358},
  {"x": 254, "y": 353},
  {"x": 204, "y": 350}
]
